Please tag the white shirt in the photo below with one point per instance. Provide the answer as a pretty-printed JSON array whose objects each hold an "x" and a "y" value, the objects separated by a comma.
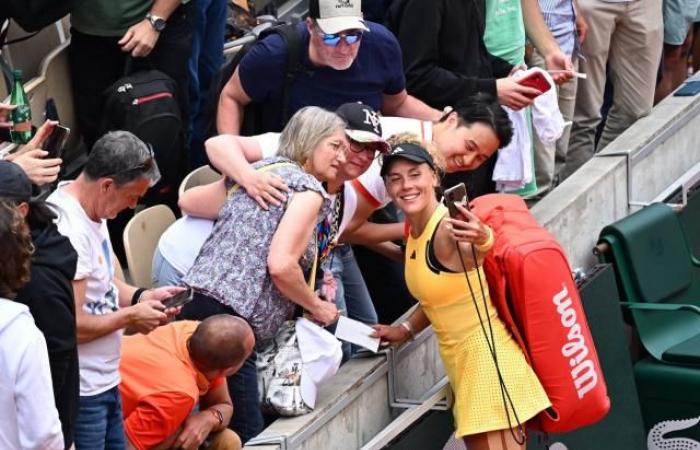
[
  {"x": 98, "y": 359},
  {"x": 29, "y": 419}
]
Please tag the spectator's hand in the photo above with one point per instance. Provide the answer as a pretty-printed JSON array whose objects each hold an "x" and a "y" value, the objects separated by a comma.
[
  {"x": 39, "y": 170},
  {"x": 139, "y": 39},
  {"x": 468, "y": 229},
  {"x": 324, "y": 313},
  {"x": 390, "y": 333},
  {"x": 5, "y": 110},
  {"x": 147, "y": 315},
  {"x": 160, "y": 294},
  {"x": 266, "y": 188},
  {"x": 513, "y": 94},
  {"x": 557, "y": 60},
  {"x": 581, "y": 28},
  {"x": 195, "y": 430},
  {"x": 32, "y": 159}
]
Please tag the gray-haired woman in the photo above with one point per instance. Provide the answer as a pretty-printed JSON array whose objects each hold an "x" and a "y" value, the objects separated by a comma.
[{"x": 253, "y": 263}]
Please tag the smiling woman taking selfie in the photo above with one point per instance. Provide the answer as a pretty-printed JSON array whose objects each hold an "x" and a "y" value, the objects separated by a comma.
[{"x": 495, "y": 389}]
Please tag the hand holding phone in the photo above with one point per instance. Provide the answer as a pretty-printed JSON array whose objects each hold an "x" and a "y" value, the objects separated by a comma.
[
  {"x": 178, "y": 299},
  {"x": 536, "y": 80},
  {"x": 56, "y": 141},
  {"x": 456, "y": 195}
]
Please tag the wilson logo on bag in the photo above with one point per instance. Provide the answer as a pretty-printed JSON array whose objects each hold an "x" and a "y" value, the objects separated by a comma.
[{"x": 530, "y": 283}]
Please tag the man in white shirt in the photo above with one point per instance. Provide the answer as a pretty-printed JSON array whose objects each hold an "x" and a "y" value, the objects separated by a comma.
[{"x": 119, "y": 170}]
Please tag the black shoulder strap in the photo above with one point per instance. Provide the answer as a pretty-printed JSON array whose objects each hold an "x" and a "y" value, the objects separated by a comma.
[{"x": 294, "y": 64}]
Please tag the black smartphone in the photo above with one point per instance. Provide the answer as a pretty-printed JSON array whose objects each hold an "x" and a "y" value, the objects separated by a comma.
[
  {"x": 178, "y": 299},
  {"x": 689, "y": 89},
  {"x": 55, "y": 142},
  {"x": 456, "y": 195}
]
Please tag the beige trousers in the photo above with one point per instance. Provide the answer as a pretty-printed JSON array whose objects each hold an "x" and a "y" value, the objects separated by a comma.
[
  {"x": 628, "y": 37},
  {"x": 550, "y": 158}
]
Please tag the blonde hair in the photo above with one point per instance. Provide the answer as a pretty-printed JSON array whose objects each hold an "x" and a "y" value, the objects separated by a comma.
[
  {"x": 305, "y": 131},
  {"x": 412, "y": 138}
]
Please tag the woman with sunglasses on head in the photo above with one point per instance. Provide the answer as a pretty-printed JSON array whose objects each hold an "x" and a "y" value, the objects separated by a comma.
[
  {"x": 254, "y": 262},
  {"x": 443, "y": 256}
]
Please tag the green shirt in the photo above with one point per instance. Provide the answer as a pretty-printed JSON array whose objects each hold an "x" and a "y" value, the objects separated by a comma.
[
  {"x": 108, "y": 17},
  {"x": 505, "y": 31}
]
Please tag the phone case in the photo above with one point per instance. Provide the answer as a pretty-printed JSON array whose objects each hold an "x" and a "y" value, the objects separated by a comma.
[
  {"x": 536, "y": 80},
  {"x": 689, "y": 89}
]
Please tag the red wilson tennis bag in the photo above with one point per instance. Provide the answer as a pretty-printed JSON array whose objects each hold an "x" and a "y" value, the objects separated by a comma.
[{"x": 531, "y": 285}]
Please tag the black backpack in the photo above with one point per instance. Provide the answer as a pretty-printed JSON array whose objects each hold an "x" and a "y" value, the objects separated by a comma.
[
  {"x": 258, "y": 117},
  {"x": 145, "y": 103}
]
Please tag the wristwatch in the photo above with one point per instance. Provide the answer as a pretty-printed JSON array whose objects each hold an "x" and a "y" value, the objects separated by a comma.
[{"x": 158, "y": 23}]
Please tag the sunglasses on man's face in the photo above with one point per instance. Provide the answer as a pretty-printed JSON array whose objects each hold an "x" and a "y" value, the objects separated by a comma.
[{"x": 332, "y": 40}]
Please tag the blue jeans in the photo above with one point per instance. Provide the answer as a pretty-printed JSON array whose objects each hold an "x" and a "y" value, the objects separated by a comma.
[
  {"x": 99, "y": 424},
  {"x": 162, "y": 273},
  {"x": 206, "y": 60},
  {"x": 352, "y": 294},
  {"x": 247, "y": 419}
]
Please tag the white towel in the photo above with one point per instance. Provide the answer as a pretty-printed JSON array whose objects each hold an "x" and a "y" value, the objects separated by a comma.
[
  {"x": 321, "y": 353},
  {"x": 514, "y": 165}
]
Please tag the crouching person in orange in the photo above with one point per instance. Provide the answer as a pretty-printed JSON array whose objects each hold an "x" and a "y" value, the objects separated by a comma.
[{"x": 173, "y": 383}]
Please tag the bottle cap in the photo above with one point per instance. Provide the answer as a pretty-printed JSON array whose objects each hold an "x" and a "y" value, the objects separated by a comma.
[{"x": 18, "y": 74}]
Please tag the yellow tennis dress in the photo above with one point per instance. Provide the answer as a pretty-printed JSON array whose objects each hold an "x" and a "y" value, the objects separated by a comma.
[{"x": 446, "y": 300}]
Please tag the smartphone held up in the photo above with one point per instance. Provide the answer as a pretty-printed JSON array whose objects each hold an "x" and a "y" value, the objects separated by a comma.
[
  {"x": 56, "y": 141},
  {"x": 456, "y": 195}
]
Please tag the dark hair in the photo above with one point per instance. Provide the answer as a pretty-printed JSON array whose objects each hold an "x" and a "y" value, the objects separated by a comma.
[
  {"x": 219, "y": 342},
  {"x": 484, "y": 108},
  {"x": 16, "y": 249},
  {"x": 40, "y": 213}
]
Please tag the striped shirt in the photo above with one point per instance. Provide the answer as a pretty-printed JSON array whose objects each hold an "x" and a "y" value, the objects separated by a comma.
[{"x": 560, "y": 17}]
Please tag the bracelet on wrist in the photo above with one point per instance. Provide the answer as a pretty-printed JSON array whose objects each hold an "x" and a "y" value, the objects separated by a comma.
[
  {"x": 137, "y": 295},
  {"x": 486, "y": 246},
  {"x": 218, "y": 415},
  {"x": 406, "y": 325}
]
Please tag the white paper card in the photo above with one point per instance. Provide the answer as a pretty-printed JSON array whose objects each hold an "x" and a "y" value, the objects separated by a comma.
[{"x": 357, "y": 333}]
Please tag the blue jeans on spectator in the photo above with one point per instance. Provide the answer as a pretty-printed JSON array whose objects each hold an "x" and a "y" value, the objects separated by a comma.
[
  {"x": 247, "y": 419},
  {"x": 352, "y": 295},
  {"x": 163, "y": 273},
  {"x": 100, "y": 424},
  {"x": 206, "y": 60}
]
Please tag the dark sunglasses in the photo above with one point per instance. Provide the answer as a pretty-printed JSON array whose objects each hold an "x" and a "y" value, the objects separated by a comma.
[{"x": 332, "y": 40}]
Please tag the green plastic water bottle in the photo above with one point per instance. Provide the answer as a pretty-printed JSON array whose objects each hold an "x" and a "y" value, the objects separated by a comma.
[{"x": 21, "y": 116}]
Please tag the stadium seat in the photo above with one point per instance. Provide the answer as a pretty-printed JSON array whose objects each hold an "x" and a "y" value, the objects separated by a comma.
[{"x": 140, "y": 240}]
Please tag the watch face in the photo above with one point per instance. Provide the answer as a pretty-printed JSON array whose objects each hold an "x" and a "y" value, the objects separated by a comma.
[{"x": 159, "y": 24}]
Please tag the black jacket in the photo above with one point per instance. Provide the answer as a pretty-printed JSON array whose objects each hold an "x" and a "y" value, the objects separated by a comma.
[
  {"x": 444, "y": 55},
  {"x": 49, "y": 296}
]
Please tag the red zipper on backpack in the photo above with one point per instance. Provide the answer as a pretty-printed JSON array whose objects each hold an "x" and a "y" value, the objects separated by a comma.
[{"x": 149, "y": 98}]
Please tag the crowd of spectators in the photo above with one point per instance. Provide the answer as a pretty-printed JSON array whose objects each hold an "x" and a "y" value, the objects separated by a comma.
[{"x": 123, "y": 370}]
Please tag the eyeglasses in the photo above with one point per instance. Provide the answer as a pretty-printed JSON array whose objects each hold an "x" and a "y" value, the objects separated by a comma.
[
  {"x": 371, "y": 147},
  {"x": 332, "y": 40},
  {"x": 148, "y": 165}
]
